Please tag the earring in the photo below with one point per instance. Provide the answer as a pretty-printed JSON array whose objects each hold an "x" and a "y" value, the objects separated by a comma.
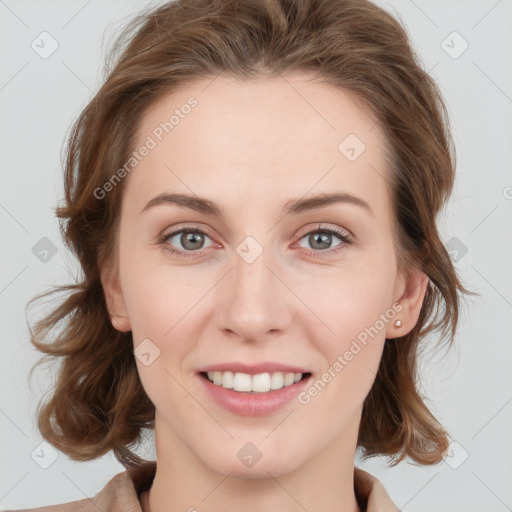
[{"x": 398, "y": 323}]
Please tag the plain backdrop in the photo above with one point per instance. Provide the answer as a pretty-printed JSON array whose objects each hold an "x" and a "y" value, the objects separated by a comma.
[{"x": 465, "y": 45}]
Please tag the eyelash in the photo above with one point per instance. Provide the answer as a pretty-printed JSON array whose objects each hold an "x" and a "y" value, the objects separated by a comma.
[{"x": 345, "y": 239}]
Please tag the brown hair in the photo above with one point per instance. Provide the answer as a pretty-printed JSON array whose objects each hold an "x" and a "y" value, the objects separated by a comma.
[{"x": 98, "y": 403}]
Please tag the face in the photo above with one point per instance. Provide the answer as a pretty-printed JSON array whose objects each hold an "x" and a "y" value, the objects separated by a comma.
[{"x": 271, "y": 283}]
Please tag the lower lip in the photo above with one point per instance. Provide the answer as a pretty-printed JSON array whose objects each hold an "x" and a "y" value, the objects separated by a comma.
[{"x": 253, "y": 404}]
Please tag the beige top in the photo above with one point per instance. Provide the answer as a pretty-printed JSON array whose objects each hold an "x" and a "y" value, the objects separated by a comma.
[{"x": 123, "y": 491}]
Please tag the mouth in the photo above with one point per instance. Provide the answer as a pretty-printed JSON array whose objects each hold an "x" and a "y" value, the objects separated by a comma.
[
  {"x": 266, "y": 382},
  {"x": 253, "y": 394},
  {"x": 253, "y": 389}
]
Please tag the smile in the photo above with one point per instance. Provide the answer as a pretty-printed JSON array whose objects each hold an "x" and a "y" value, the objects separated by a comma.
[
  {"x": 258, "y": 383},
  {"x": 252, "y": 394}
]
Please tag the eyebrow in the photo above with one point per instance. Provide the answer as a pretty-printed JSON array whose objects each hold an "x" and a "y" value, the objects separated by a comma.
[{"x": 293, "y": 206}]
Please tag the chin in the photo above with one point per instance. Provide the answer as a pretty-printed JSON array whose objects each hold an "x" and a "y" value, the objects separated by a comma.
[{"x": 272, "y": 461}]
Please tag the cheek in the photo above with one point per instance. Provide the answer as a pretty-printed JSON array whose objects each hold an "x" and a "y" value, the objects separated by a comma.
[
  {"x": 351, "y": 356},
  {"x": 354, "y": 314},
  {"x": 350, "y": 301},
  {"x": 150, "y": 309},
  {"x": 157, "y": 296},
  {"x": 160, "y": 312}
]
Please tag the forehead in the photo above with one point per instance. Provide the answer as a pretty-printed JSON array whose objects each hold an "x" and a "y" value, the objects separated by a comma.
[{"x": 289, "y": 133}]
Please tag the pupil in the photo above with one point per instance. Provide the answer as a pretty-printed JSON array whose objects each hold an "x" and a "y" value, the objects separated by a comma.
[
  {"x": 193, "y": 238},
  {"x": 324, "y": 239}
]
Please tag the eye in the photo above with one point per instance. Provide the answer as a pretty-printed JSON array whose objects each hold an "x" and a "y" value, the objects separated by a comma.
[
  {"x": 321, "y": 239},
  {"x": 191, "y": 240}
]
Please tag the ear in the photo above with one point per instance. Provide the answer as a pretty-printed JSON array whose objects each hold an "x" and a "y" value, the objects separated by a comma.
[
  {"x": 115, "y": 299},
  {"x": 409, "y": 292}
]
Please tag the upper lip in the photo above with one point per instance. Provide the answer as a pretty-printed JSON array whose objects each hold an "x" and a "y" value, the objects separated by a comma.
[{"x": 252, "y": 369}]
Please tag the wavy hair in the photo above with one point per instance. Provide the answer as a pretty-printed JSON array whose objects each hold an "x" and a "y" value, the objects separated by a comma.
[{"x": 97, "y": 402}]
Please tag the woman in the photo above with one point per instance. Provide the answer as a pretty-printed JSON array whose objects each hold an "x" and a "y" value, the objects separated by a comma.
[{"x": 252, "y": 196}]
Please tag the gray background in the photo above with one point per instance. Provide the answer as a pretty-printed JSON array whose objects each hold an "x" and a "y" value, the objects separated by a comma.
[{"x": 468, "y": 390}]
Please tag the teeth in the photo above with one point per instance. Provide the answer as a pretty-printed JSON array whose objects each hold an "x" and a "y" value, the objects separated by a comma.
[
  {"x": 289, "y": 379},
  {"x": 228, "y": 380},
  {"x": 242, "y": 382},
  {"x": 277, "y": 380},
  {"x": 259, "y": 383}
]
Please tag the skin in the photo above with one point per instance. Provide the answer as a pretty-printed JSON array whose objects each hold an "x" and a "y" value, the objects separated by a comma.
[{"x": 251, "y": 147}]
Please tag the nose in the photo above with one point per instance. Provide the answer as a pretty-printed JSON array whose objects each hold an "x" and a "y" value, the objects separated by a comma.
[{"x": 255, "y": 301}]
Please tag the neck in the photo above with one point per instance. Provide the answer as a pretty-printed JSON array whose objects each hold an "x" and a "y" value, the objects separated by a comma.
[{"x": 183, "y": 482}]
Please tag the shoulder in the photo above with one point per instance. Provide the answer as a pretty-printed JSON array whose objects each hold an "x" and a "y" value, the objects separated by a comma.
[
  {"x": 121, "y": 494},
  {"x": 370, "y": 491}
]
